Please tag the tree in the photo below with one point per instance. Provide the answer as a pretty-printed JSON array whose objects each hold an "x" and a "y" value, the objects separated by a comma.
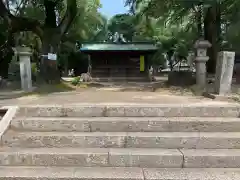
[
  {"x": 50, "y": 31},
  {"x": 216, "y": 14},
  {"x": 124, "y": 24},
  {"x": 6, "y": 51},
  {"x": 91, "y": 26},
  {"x": 132, "y": 27}
]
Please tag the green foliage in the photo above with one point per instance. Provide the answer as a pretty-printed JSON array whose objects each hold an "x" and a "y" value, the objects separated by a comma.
[
  {"x": 76, "y": 81},
  {"x": 171, "y": 37},
  {"x": 34, "y": 71},
  {"x": 186, "y": 13},
  {"x": 124, "y": 24},
  {"x": 14, "y": 71},
  {"x": 173, "y": 25},
  {"x": 89, "y": 25},
  {"x": 3, "y": 38}
]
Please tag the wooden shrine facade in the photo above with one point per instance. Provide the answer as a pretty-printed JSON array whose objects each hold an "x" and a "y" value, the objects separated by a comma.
[{"x": 113, "y": 61}]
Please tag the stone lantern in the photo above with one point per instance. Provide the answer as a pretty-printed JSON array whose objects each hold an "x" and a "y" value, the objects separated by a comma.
[{"x": 200, "y": 61}]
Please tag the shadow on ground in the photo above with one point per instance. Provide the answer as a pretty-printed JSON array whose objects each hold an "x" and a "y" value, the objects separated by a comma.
[
  {"x": 43, "y": 89},
  {"x": 39, "y": 89},
  {"x": 158, "y": 86}
]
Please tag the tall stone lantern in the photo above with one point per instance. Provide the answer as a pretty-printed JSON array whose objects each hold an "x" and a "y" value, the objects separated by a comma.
[
  {"x": 24, "y": 54},
  {"x": 200, "y": 61}
]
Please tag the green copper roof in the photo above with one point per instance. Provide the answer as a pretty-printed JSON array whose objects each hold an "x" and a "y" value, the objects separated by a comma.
[{"x": 118, "y": 47}]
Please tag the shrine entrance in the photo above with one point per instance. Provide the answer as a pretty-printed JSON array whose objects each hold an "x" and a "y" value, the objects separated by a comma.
[{"x": 128, "y": 61}]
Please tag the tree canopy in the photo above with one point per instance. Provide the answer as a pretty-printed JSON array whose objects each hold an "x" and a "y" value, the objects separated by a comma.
[
  {"x": 56, "y": 25},
  {"x": 214, "y": 20}
]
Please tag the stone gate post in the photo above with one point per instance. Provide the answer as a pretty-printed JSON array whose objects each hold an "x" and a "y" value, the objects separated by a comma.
[
  {"x": 24, "y": 54},
  {"x": 224, "y": 72}
]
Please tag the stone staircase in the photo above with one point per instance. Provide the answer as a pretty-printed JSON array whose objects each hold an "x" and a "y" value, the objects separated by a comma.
[{"x": 119, "y": 142}]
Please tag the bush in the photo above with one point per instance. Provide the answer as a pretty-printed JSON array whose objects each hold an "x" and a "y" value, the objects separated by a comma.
[
  {"x": 34, "y": 71},
  {"x": 75, "y": 81},
  {"x": 14, "y": 71}
]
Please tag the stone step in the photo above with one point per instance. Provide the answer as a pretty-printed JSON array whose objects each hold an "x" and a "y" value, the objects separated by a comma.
[
  {"x": 171, "y": 140},
  {"x": 110, "y": 173},
  {"x": 70, "y": 173},
  {"x": 211, "y": 158},
  {"x": 127, "y": 124},
  {"x": 191, "y": 174},
  {"x": 134, "y": 110},
  {"x": 103, "y": 157},
  {"x": 152, "y": 158}
]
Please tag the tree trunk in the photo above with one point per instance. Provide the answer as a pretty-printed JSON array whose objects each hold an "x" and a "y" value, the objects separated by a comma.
[
  {"x": 199, "y": 20},
  {"x": 49, "y": 70},
  {"x": 170, "y": 54},
  {"x": 4, "y": 65},
  {"x": 6, "y": 56},
  {"x": 5, "y": 60},
  {"x": 218, "y": 24},
  {"x": 50, "y": 33},
  {"x": 212, "y": 32}
]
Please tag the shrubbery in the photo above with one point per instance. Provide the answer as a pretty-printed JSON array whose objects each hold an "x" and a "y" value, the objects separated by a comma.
[{"x": 76, "y": 81}]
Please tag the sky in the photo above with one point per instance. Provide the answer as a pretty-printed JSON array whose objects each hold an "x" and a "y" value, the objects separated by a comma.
[{"x": 112, "y": 7}]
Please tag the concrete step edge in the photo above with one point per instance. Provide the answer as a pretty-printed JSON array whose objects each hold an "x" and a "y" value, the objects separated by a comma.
[
  {"x": 126, "y": 124},
  {"x": 76, "y": 173},
  {"x": 175, "y": 140},
  {"x": 146, "y": 158},
  {"x": 169, "y": 158},
  {"x": 139, "y": 110},
  {"x": 126, "y": 134},
  {"x": 211, "y": 158},
  {"x": 126, "y": 119},
  {"x": 120, "y": 104},
  {"x": 66, "y": 173},
  {"x": 67, "y": 151},
  {"x": 192, "y": 174},
  {"x": 146, "y": 151}
]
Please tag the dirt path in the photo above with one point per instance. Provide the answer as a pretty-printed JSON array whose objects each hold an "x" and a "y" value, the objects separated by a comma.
[
  {"x": 74, "y": 98},
  {"x": 153, "y": 93}
]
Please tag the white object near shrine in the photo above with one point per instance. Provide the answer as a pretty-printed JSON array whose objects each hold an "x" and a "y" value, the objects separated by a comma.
[
  {"x": 224, "y": 72},
  {"x": 200, "y": 62},
  {"x": 52, "y": 57},
  {"x": 24, "y": 54}
]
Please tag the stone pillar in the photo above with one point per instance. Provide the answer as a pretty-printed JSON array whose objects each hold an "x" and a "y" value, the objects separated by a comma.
[
  {"x": 224, "y": 72},
  {"x": 200, "y": 62},
  {"x": 24, "y": 54}
]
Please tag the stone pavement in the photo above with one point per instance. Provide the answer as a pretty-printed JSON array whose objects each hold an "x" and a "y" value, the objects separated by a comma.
[{"x": 75, "y": 98}]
